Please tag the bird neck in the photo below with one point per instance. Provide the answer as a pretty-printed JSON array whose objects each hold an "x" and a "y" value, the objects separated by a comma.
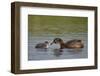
[{"x": 62, "y": 44}]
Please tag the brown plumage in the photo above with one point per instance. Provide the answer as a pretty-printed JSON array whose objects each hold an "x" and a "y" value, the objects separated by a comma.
[{"x": 72, "y": 44}]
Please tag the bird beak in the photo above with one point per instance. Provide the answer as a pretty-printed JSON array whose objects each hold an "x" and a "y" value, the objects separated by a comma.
[{"x": 51, "y": 43}]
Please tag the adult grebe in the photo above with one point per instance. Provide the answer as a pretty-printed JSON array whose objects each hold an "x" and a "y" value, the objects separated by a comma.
[{"x": 72, "y": 44}]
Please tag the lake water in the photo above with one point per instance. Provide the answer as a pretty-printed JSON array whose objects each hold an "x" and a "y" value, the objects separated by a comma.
[{"x": 53, "y": 51}]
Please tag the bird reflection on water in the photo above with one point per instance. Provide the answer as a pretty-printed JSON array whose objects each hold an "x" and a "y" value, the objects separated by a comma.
[
  {"x": 42, "y": 49},
  {"x": 59, "y": 52}
]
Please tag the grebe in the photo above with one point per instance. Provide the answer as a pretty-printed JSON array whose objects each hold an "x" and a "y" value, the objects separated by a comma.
[{"x": 72, "y": 44}]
